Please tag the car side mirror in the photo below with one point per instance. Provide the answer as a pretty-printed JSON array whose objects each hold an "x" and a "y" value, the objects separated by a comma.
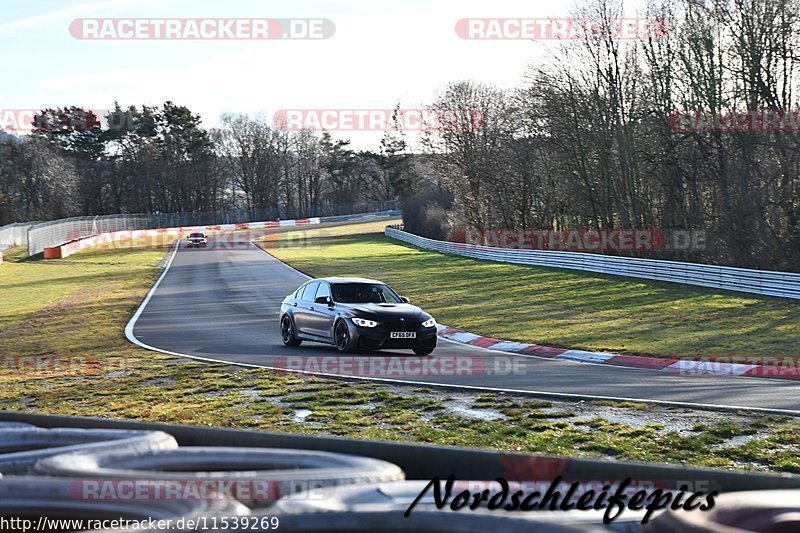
[
  {"x": 405, "y": 300},
  {"x": 324, "y": 300}
]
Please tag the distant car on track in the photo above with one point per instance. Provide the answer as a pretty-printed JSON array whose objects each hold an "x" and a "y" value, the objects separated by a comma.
[
  {"x": 197, "y": 239},
  {"x": 355, "y": 314}
]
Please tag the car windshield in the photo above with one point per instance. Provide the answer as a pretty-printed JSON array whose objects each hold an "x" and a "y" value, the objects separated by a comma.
[
  {"x": 351, "y": 293},
  {"x": 196, "y": 236}
]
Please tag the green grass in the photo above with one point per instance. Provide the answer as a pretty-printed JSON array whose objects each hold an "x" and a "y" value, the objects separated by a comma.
[
  {"x": 71, "y": 313},
  {"x": 558, "y": 307},
  {"x": 31, "y": 287}
]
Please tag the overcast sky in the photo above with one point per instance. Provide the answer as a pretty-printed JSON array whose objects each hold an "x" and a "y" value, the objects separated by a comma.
[{"x": 382, "y": 52}]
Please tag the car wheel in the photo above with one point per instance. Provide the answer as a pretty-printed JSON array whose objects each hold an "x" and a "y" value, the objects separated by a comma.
[
  {"x": 342, "y": 336},
  {"x": 287, "y": 332},
  {"x": 424, "y": 350}
]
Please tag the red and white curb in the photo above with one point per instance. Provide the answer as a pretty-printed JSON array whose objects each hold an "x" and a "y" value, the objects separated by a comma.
[{"x": 783, "y": 368}]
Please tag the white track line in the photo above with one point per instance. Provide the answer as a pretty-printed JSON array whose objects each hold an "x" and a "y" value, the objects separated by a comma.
[{"x": 132, "y": 322}]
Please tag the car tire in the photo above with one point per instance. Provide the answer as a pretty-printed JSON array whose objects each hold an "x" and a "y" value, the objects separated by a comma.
[
  {"x": 341, "y": 337},
  {"x": 424, "y": 350},
  {"x": 288, "y": 335},
  {"x": 287, "y": 471},
  {"x": 22, "y": 448}
]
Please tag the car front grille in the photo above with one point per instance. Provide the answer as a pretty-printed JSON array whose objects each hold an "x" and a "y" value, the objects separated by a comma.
[{"x": 401, "y": 325}]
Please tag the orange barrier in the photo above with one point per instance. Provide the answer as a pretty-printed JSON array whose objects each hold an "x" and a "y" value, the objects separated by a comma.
[{"x": 53, "y": 252}]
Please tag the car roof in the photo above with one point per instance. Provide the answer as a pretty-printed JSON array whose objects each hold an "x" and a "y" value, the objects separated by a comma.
[{"x": 336, "y": 280}]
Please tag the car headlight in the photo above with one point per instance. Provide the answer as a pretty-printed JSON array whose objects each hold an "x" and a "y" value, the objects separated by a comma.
[
  {"x": 430, "y": 323},
  {"x": 364, "y": 323}
]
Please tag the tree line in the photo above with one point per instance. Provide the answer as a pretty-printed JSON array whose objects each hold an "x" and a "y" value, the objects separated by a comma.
[
  {"x": 159, "y": 159},
  {"x": 638, "y": 134}
]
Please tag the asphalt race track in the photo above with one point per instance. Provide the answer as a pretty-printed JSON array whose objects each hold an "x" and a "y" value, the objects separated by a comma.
[{"x": 222, "y": 305}]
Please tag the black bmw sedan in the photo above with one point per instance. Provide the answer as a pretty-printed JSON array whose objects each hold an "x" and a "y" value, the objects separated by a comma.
[{"x": 355, "y": 314}]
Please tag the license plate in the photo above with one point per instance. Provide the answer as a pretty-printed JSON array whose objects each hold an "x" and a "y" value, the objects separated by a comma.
[{"x": 403, "y": 335}]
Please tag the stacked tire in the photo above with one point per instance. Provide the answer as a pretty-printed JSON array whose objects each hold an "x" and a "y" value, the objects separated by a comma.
[
  {"x": 69, "y": 474},
  {"x": 279, "y": 471},
  {"x": 22, "y": 447},
  {"x": 85, "y": 474},
  {"x": 737, "y": 512}
]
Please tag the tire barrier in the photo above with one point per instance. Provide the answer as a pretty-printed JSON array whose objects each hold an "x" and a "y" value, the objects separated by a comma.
[
  {"x": 738, "y": 512},
  {"x": 279, "y": 471},
  {"x": 15, "y": 425},
  {"x": 423, "y": 461},
  {"x": 371, "y": 504},
  {"x": 21, "y": 448},
  {"x": 51, "y": 499},
  {"x": 397, "y": 496}
]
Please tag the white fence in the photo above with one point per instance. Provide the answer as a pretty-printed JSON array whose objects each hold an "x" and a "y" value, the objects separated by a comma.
[
  {"x": 763, "y": 282},
  {"x": 56, "y": 232},
  {"x": 14, "y": 234}
]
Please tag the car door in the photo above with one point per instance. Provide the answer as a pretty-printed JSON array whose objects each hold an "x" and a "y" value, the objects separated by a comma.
[
  {"x": 303, "y": 310},
  {"x": 320, "y": 317}
]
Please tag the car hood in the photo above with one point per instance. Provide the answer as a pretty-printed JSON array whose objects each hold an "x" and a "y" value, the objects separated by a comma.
[{"x": 386, "y": 311}]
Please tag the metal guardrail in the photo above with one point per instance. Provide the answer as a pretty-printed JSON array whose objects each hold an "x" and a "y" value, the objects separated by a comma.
[
  {"x": 763, "y": 282},
  {"x": 362, "y": 216},
  {"x": 53, "y": 233}
]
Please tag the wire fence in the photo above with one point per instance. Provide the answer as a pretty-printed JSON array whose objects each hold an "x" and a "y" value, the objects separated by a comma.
[
  {"x": 53, "y": 233},
  {"x": 14, "y": 234},
  {"x": 763, "y": 282}
]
